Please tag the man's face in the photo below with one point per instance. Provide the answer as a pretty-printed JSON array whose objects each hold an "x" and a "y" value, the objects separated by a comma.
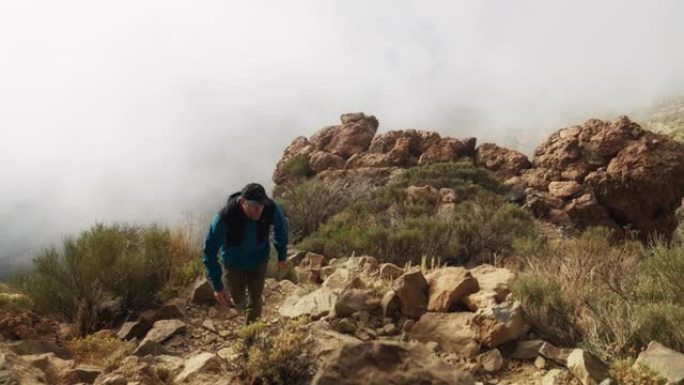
[{"x": 252, "y": 210}]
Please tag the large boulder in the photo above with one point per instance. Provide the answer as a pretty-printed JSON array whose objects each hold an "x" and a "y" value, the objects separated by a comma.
[
  {"x": 587, "y": 368},
  {"x": 412, "y": 291},
  {"x": 379, "y": 363},
  {"x": 494, "y": 279},
  {"x": 453, "y": 332},
  {"x": 351, "y": 301},
  {"x": 15, "y": 370},
  {"x": 624, "y": 175},
  {"x": 354, "y": 136},
  {"x": 448, "y": 286},
  {"x": 320, "y": 161},
  {"x": 502, "y": 323},
  {"x": 418, "y": 141}
]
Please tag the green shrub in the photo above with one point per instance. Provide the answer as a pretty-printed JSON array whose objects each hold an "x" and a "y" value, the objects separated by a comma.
[
  {"x": 464, "y": 177},
  {"x": 104, "y": 262},
  {"x": 100, "y": 349},
  {"x": 297, "y": 166},
  {"x": 311, "y": 203},
  {"x": 276, "y": 354}
]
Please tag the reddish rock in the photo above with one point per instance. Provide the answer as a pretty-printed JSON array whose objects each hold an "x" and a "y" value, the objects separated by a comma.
[
  {"x": 353, "y": 137},
  {"x": 503, "y": 162},
  {"x": 320, "y": 161},
  {"x": 448, "y": 150}
]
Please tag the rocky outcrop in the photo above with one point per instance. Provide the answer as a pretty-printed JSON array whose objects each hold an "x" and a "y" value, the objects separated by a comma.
[
  {"x": 601, "y": 173},
  {"x": 666, "y": 362},
  {"x": 387, "y": 363},
  {"x": 613, "y": 174}
]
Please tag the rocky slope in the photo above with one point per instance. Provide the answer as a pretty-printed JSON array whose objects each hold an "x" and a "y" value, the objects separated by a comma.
[{"x": 605, "y": 173}]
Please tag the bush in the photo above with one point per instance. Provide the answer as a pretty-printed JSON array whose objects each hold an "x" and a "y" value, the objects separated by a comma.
[
  {"x": 311, "y": 203},
  {"x": 477, "y": 229},
  {"x": 275, "y": 355},
  {"x": 105, "y": 262},
  {"x": 464, "y": 177},
  {"x": 297, "y": 167},
  {"x": 614, "y": 299},
  {"x": 100, "y": 349}
]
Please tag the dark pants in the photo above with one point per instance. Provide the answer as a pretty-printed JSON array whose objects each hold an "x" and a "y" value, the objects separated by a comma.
[{"x": 252, "y": 281}]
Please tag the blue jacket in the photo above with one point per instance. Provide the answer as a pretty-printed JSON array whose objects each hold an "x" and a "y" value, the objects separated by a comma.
[{"x": 249, "y": 254}]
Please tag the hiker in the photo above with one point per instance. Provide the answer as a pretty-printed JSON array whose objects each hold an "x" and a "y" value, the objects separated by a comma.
[{"x": 241, "y": 231}]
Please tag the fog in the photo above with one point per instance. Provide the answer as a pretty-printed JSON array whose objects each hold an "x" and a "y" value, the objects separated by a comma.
[{"x": 153, "y": 111}]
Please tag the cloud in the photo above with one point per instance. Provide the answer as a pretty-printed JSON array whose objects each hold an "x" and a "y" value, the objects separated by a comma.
[{"x": 140, "y": 111}]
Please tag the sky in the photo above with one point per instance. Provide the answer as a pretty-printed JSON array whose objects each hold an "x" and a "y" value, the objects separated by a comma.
[{"x": 154, "y": 111}]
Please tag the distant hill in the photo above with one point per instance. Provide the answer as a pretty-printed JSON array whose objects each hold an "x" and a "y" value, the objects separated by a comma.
[{"x": 664, "y": 117}]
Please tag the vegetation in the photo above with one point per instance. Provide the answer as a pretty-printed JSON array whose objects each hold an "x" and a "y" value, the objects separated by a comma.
[
  {"x": 626, "y": 372},
  {"x": 275, "y": 355},
  {"x": 121, "y": 262},
  {"x": 393, "y": 228},
  {"x": 613, "y": 299},
  {"x": 100, "y": 349},
  {"x": 297, "y": 166}
]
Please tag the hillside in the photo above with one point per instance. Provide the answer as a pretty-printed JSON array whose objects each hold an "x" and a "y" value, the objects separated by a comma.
[{"x": 415, "y": 259}]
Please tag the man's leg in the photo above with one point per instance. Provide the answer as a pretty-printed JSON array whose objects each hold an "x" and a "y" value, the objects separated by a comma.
[
  {"x": 237, "y": 284},
  {"x": 255, "y": 287}
]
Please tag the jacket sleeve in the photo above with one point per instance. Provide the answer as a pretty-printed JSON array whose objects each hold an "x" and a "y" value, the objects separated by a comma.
[
  {"x": 212, "y": 244},
  {"x": 280, "y": 233}
]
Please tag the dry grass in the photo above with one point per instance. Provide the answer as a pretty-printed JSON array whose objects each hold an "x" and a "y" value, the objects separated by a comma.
[
  {"x": 613, "y": 299},
  {"x": 101, "y": 350},
  {"x": 626, "y": 372}
]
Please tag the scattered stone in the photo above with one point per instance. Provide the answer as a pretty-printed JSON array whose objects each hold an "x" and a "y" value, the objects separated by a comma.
[
  {"x": 390, "y": 330},
  {"x": 553, "y": 377},
  {"x": 540, "y": 362},
  {"x": 491, "y": 361},
  {"x": 209, "y": 325},
  {"x": 202, "y": 292},
  {"x": 131, "y": 330},
  {"x": 500, "y": 324},
  {"x": 390, "y": 271},
  {"x": 385, "y": 362},
  {"x": 390, "y": 304},
  {"x": 172, "y": 309},
  {"x": 87, "y": 374},
  {"x": 452, "y": 331},
  {"x": 346, "y": 325},
  {"x": 556, "y": 355},
  {"x": 494, "y": 279},
  {"x": 666, "y": 362},
  {"x": 527, "y": 350},
  {"x": 449, "y": 285},
  {"x": 587, "y": 368},
  {"x": 351, "y": 301},
  {"x": 149, "y": 347},
  {"x": 164, "y": 330},
  {"x": 316, "y": 304},
  {"x": 201, "y": 363},
  {"x": 412, "y": 291}
]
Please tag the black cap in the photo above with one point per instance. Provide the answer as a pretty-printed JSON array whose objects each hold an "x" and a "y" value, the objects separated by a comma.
[{"x": 254, "y": 192}]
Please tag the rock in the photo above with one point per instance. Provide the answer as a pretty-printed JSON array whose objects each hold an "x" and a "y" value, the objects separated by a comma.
[
  {"x": 500, "y": 324},
  {"x": 480, "y": 300},
  {"x": 453, "y": 332},
  {"x": 288, "y": 287},
  {"x": 172, "y": 309},
  {"x": 209, "y": 325},
  {"x": 390, "y": 329},
  {"x": 199, "y": 364},
  {"x": 503, "y": 162},
  {"x": 554, "y": 354},
  {"x": 163, "y": 330},
  {"x": 390, "y": 271},
  {"x": 299, "y": 146},
  {"x": 540, "y": 362},
  {"x": 666, "y": 362},
  {"x": 328, "y": 340},
  {"x": 320, "y": 161},
  {"x": 57, "y": 370},
  {"x": 87, "y": 374},
  {"x": 149, "y": 347},
  {"x": 423, "y": 195},
  {"x": 390, "y": 304},
  {"x": 346, "y": 325},
  {"x": 351, "y": 301},
  {"x": 449, "y": 285},
  {"x": 309, "y": 269},
  {"x": 15, "y": 370},
  {"x": 616, "y": 162},
  {"x": 202, "y": 292},
  {"x": 527, "y": 350},
  {"x": 553, "y": 377},
  {"x": 132, "y": 370},
  {"x": 564, "y": 189},
  {"x": 587, "y": 368},
  {"x": 131, "y": 330},
  {"x": 353, "y": 137},
  {"x": 491, "y": 361},
  {"x": 316, "y": 304},
  {"x": 339, "y": 279},
  {"x": 418, "y": 141},
  {"x": 448, "y": 150},
  {"x": 385, "y": 362},
  {"x": 172, "y": 364},
  {"x": 412, "y": 290},
  {"x": 494, "y": 279},
  {"x": 37, "y": 347}
]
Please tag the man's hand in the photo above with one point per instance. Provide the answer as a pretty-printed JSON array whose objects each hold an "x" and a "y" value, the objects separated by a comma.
[
  {"x": 282, "y": 265},
  {"x": 222, "y": 297}
]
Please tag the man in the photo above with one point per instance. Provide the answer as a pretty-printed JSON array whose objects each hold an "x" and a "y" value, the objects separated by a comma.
[{"x": 241, "y": 231}]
